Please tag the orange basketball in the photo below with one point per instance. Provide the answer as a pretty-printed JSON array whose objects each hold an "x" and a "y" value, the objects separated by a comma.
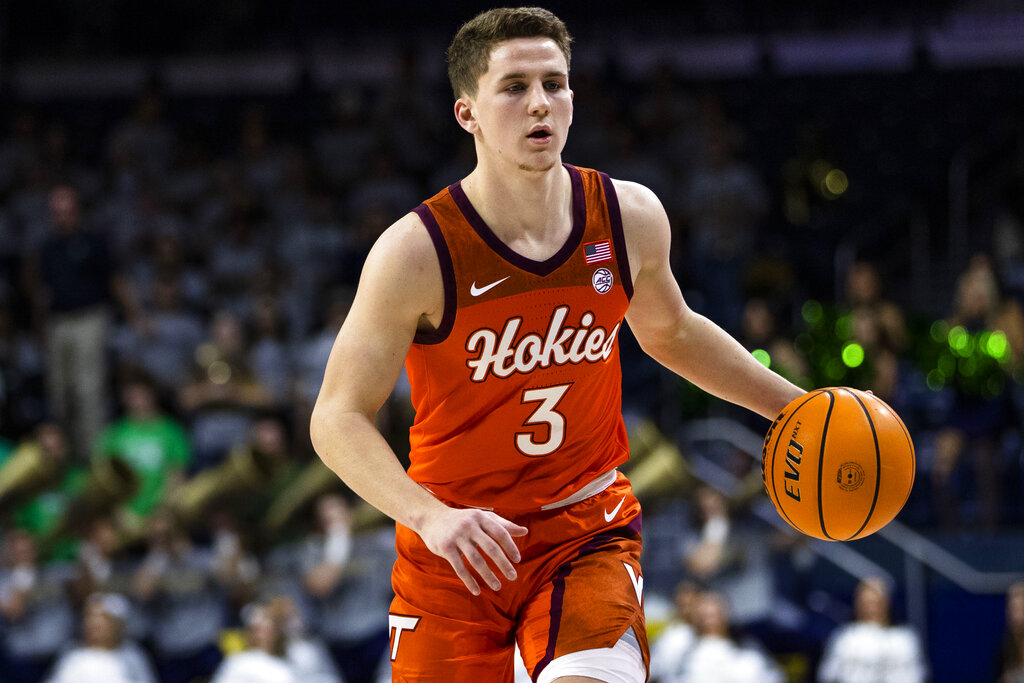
[{"x": 838, "y": 464}]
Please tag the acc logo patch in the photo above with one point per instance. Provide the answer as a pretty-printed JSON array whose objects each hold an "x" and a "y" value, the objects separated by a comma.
[{"x": 602, "y": 280}]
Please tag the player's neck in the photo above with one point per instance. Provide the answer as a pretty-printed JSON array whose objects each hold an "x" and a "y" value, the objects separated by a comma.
[{"x": 535, "y": 205}]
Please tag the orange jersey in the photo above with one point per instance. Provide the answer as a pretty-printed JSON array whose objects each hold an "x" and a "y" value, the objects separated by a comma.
[{"x": 518, "y": 392}]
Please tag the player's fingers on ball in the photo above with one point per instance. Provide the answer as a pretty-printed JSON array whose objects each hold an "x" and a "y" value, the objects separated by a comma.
[
  {"x": 491, "y": 548},
  {"x": 478, "y": 563}
]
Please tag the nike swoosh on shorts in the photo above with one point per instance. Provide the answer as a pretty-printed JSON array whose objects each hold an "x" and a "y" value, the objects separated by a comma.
[{"x": 609, "y": 516}]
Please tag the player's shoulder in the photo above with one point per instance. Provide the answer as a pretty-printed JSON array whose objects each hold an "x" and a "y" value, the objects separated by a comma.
[
  {"x": 635, "y": 197},
  {"x": 404, "y": 242},
  {"x": 640, "y": 208},
  {"x": 403, "y": 259},
  {"x": 644, "y": 221}
]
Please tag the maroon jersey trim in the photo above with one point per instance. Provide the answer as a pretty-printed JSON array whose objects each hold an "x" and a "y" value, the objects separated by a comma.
[
  {"x": 541, "y": 268},
  {"x": 618, "y": 236},
  {"x": 444, "y": 258}
]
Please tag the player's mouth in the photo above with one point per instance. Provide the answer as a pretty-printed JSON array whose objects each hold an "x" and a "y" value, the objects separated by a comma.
[{"x": 540, "y": 134}]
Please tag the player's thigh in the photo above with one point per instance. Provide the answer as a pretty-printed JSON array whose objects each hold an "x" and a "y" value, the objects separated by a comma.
[
  {"x": 589, "y": 604},
  {"x": 429, "y": 647},
  {"x": 439, "y": 630}
]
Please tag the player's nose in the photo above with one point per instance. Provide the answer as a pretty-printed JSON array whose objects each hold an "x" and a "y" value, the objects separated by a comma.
[{"x": 538, "y": 101}]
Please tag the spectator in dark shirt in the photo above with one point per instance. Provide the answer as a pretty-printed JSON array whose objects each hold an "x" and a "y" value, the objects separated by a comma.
[
  {"x": 22, "y": 396},
  {"x": 185, "y": 603},
  {"x": 223, "y": 394},
  {"x": 74, "y": 285},
  {"x": 978, "y": 416},
  {"x": 345, "y": 573}
]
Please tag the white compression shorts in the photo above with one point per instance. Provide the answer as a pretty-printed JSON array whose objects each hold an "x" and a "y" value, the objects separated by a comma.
[{"x": 621, "y": 663}]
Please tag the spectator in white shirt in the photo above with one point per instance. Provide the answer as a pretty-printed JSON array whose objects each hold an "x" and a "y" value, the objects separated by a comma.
[
  {"x": 264, "y": 660},
  {"x": 306, "y": 654},
  {"x": 715, "y": 656},
  {"x": 105, "y": 655},
  {"x": 870, "y": 649},
  {"x": 669, "y": 651}
]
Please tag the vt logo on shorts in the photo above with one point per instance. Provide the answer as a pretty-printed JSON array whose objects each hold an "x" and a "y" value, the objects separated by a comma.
[
  {"x": 398, "y": 623},
  {"x": 638, "y": 586}
]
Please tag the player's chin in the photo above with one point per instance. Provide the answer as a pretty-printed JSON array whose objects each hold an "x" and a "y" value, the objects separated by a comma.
[{"x": 538, "y": 166}]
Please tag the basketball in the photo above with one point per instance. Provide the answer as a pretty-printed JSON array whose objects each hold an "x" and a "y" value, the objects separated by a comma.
[{"x": 838, "y": 464}]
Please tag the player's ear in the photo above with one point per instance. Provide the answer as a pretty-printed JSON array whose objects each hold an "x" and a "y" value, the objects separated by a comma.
[{"x": 465, "y": 114}]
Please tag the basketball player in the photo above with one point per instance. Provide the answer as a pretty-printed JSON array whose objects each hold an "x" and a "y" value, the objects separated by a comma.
[{"x": 504, "y": 295}]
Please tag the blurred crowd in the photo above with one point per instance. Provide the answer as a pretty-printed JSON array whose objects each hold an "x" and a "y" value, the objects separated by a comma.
[
  {"x": 186, "y": 606},
  {"x": 699, "y": 643},
  {"x": 170, "y": 290}
]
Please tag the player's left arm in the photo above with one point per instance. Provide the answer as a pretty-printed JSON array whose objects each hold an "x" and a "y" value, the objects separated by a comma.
[{"x": 672, "y": 333}]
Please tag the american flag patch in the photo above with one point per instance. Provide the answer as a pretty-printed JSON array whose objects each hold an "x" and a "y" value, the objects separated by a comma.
[{"x": 596, "y": 252}]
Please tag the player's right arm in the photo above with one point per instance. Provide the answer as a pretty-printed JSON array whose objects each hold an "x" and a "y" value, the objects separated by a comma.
[{"x": 400, "y": 291}]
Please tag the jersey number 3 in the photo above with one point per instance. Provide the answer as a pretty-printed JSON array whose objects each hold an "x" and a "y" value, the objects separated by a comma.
[{"x": 545, "y": 414}]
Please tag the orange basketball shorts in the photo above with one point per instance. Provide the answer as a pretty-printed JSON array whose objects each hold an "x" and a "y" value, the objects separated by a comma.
[{"x": 578, "y": 587}]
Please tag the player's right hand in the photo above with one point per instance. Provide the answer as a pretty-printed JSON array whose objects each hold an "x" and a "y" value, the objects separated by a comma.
[{"x": 474, "y": 536}]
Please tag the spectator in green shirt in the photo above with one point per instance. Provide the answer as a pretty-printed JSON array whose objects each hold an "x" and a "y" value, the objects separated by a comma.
[
  {"x": 36, "y": 497},
  {"x": 153, "y": 444}
]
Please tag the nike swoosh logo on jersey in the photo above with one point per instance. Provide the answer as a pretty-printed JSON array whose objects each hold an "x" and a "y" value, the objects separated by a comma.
[
  {"x": 609, "y": 516},
  {"x": 477, "y": 291}
]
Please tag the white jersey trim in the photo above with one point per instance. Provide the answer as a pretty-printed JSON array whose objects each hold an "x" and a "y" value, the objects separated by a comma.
[
  {"x": 600, "y": 483},
  {"x": 595, "y": 487}
]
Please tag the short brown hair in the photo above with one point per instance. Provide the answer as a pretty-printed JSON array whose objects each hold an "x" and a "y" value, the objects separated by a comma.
[{"x": 470, "y": 50}]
